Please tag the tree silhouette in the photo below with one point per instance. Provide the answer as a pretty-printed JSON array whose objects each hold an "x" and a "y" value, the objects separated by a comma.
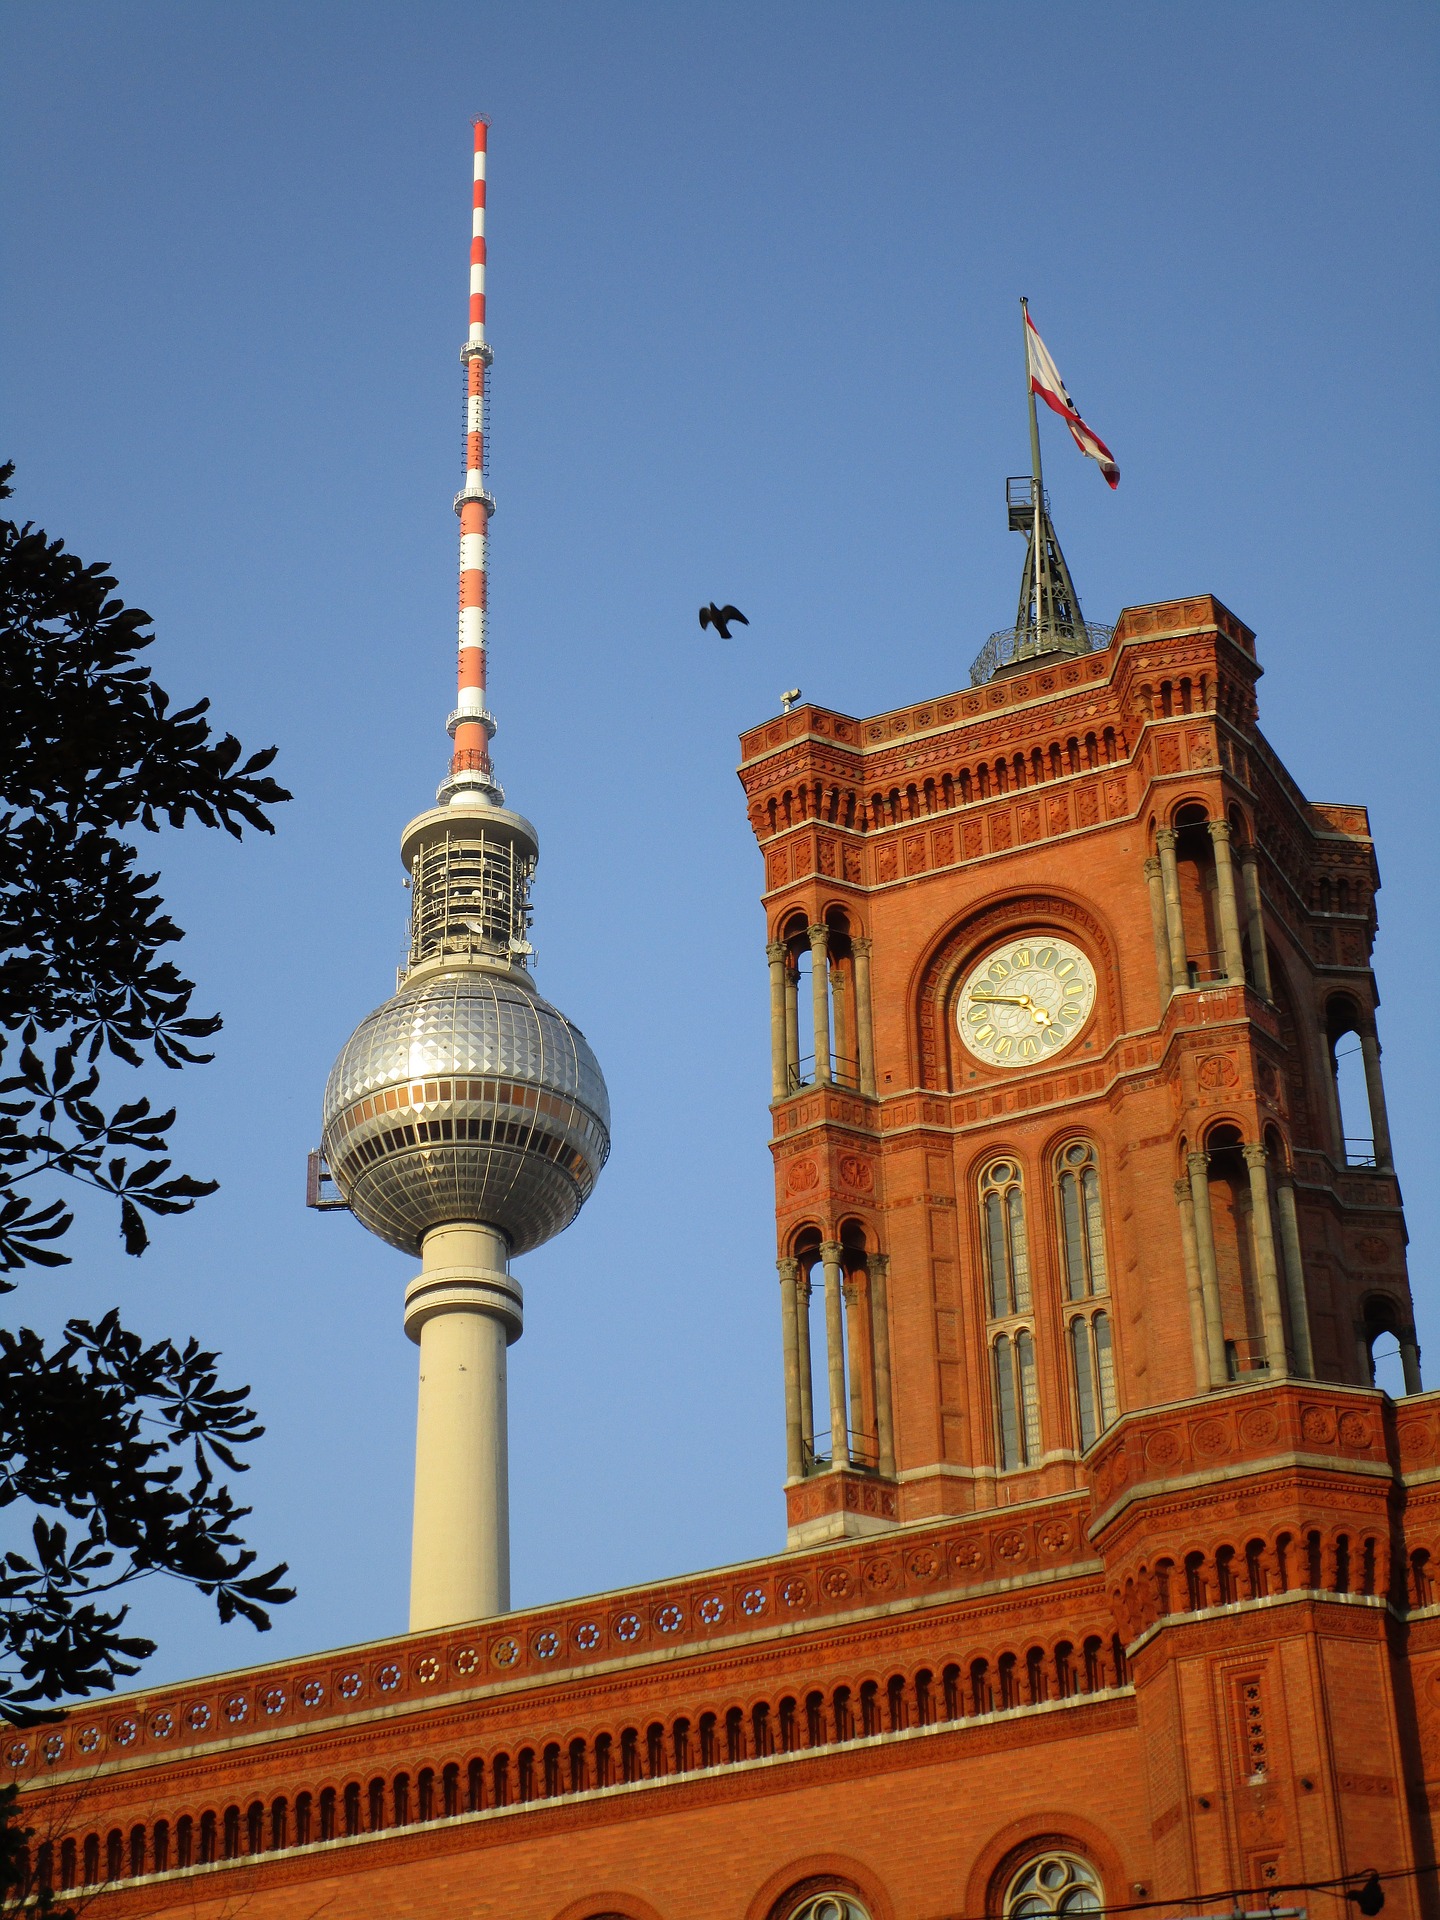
[{"x": 109, "y": 1447}]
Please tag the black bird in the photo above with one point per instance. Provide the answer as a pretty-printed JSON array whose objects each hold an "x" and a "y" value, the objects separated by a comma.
[{"x": 720, "y": 618}]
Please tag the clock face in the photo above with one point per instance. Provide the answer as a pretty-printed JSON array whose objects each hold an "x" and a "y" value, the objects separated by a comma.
[{"x": 1025, "y": 1001}]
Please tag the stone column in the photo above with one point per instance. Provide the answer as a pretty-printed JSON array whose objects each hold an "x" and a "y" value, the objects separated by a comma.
[
  {"x": 864, "y": 1016},
  {"x": 1231, "y": 950},
  {"x": 1198, "y": 1165},
  {"x": 880, "y": 1345},
  {"x": 1254, "y": 913},
  {"x": 1174, "y": 920},
  {"x": 835, "y": 1354},
  {"x": 842, "y": 1002},
  {"x": 1375, "y": 1089},
  {"x": 790, "y": 1339},
  {"x": 1332, "y": 1102},
  {"x": 792, "y": 1024},
  {"x": 462, "y": 1309},
  {"x": 1271, "y": 1311},
  {"x": 1155, "y": 886},
  {"x": 1410, "y": 1362},
  {"x": 779, "y": 1080},
  {"x": 1293, "y": 1263},
  {"x": 820, "y": 1000},
  {"x": 1199, "y": 1339},
  {"x": 807, "y": 1391},
  {"x": 856, "y": 1303}
]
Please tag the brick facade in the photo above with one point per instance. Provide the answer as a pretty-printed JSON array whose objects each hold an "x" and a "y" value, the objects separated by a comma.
[{"x": 1201, "y": 1652}]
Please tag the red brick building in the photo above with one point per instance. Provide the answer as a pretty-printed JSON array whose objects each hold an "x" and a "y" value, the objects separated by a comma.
[{"x": 1109, "y": 1572}]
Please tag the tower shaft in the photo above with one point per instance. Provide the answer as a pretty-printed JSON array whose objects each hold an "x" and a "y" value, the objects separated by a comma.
[{"x": 462, "y": 1310}]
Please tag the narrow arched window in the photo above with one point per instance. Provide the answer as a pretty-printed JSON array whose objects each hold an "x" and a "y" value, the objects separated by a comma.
[
  {"x": 1007, "y": 1248},
  {"x": 1093, "y": 1369},
  {"x": 1082, "y": 1223},
  {"x": 1017, "y": 1399}
]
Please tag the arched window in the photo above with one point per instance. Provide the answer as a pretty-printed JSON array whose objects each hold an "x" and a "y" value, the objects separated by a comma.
[
  {"x": 829, "y": 1906},
  {"x": 1017, "y": 1399},
  {"x": 1007, "y": 1287},
  {"x": 1007, "y": 1249},
  {"x": 1082, "y": 1225},
  {"x": 1056, "y": 1883}
]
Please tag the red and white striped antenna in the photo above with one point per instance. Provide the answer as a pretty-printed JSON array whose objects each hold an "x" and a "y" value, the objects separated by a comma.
[{"x": 472, "y": 727}]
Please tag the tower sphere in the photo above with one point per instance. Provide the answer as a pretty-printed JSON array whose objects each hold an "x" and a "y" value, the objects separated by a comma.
[{"x": 466, "y": 1097}]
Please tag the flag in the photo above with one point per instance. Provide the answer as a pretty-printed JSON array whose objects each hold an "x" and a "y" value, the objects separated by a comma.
[{"x": 1045, "y": 380}]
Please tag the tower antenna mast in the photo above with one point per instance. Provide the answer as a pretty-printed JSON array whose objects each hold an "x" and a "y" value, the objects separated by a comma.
[{"x": 472, "y": 726}]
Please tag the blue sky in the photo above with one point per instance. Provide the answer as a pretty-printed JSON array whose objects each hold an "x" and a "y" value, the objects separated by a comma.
[{"x": 753, "y": 287}]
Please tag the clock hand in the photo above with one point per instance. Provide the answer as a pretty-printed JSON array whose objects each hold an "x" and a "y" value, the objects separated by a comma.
[{"x": 1002, "y": 999}]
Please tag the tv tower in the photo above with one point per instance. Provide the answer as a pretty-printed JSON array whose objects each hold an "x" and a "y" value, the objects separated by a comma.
[{"x": 466, "y": 1120}]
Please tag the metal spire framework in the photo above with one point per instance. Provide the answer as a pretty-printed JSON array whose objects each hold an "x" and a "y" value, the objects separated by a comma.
[{"x": 1048, "y": 620}]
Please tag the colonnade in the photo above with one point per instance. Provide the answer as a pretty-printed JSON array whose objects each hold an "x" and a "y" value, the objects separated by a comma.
[
  {"x": 838, "y": 978},
  {"x": 857, "y": 1383},
  {"x": 1162, "y": 877}
]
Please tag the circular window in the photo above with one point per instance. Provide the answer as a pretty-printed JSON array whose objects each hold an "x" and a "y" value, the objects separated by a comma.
[
  {"x": 830, "y": 1906},
  {"x": 1056, "y": 1883}
]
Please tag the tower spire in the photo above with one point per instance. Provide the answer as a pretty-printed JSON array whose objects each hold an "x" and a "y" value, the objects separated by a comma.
[{"x": 472, "y": 727}]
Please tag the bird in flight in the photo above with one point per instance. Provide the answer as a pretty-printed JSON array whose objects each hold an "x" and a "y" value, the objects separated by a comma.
[{"x": 720, "y": 617}]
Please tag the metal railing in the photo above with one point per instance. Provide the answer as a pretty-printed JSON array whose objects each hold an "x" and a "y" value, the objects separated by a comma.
[
  {"x": 819, "y": 1458},
  {"x": 1359, "y": 1151},
  {"x": 843, "y": 1073},
  {"x": 1011, "y": 645}
]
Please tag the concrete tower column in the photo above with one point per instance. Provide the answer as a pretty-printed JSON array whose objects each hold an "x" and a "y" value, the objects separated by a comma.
[
  {"x": 1174, "y": 920},
  {"x": 775, "y": 953},
  {"x": 463, "y": 1309},
  {"x": 1155, "y": 887},
  {"x": 1255, "y": 919},
  {"x": 790, "y": 1338},
  {"x": 1198, "y": 1165},
  {"x": 1375, "y": 1091},
  {"x": 1232, "y": 952},
  {"x": 820, "y": 1000},
  {"x": 1271, "y": 1311},
  {"x": 879, "y": 1264},
  {"x": 1199, "y": 1340},
  {"x": 1293, "y": 1263},
  {"x": 864, "y": 1015},
  {"x": 835, "y": 1353}
]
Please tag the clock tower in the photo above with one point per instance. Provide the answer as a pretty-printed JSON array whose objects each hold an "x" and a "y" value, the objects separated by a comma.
[{"x": 1059, "y": 965}]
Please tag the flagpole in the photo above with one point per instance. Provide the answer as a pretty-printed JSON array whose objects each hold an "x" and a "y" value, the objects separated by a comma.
[{"x": 1038, "y": 550}]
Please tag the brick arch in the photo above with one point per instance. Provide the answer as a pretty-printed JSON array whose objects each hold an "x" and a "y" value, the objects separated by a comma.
[
  {"x": 1179, "y": 803},
  {"x": 1008, "y": 1850},
  {"x": 820, "y": 1873},
  {"x": 1070, "y": 916}
]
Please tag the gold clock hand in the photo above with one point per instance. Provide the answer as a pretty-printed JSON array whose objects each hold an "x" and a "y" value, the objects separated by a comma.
[{"x": 1002, "y": 999}]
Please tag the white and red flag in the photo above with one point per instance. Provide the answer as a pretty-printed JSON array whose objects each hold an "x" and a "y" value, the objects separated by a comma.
[{"x": 1045, "y": 380}]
